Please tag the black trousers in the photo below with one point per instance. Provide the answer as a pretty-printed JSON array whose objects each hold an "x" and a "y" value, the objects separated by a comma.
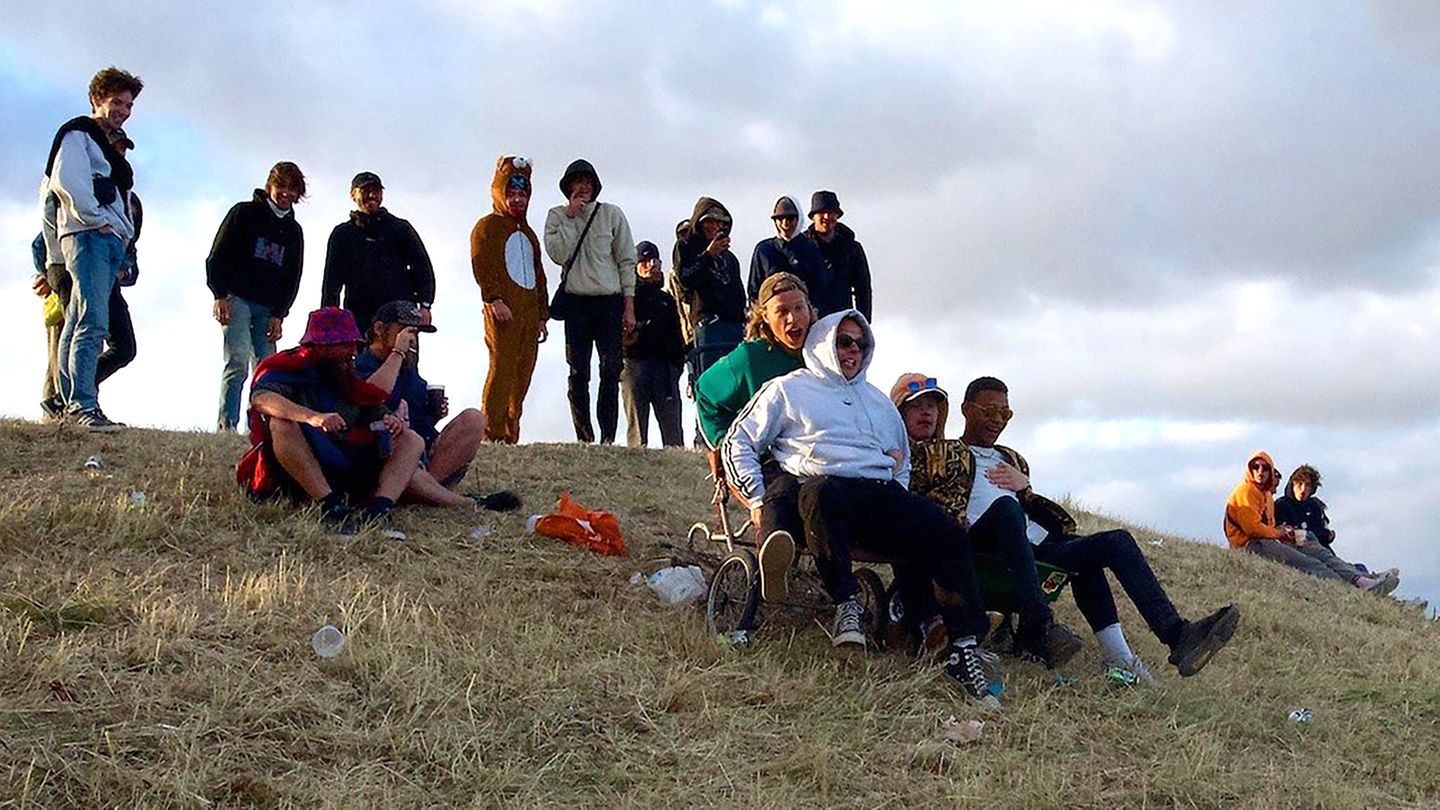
[
  {"x": 595, "y": 324},
  {"x": 1001, "y": 532},
  {"x": 841, "y": 514},
  {"x": 652, "y": 385},
  {"x": 120, "y": 346},
  {"x": 1088, "y": 557}
]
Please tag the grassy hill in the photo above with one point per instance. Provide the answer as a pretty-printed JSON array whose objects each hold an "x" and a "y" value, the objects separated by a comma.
[{"x": 159, "y": 654}]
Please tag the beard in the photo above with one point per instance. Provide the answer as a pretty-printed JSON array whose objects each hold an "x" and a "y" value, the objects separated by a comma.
[{"x": 337, "y": 371}]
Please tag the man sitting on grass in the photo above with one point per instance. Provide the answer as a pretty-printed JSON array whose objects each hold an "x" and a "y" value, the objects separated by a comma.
[
  {"x": 987, "y": 487},
  {"x": 845, "y": 442},
  {"x": 1251, "y": 524},
  {"x": 388, "y": 362},
  {"x": 1300, "y": 508},
  {"x": 319, "y": 432}
]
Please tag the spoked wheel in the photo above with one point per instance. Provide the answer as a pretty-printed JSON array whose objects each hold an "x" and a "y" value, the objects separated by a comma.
[
  {"x": 875, "y": 604},
  {"x": 734, "y": 590}
]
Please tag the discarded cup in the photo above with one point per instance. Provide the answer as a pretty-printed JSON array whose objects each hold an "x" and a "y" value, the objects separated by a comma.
[
  {"x": 94, "y": 463},
  {"x": 393, "y": 534},
  {"x": 531, "y": 521},
  {"x": 637, "y": 579},
  {"x": 137, "y": 498},
  {"x": 676, "y": 585},
  {"x": 328, "y": 641},
  {"x": 1301, "y": 716},
  {"x": 480, "y": 533},
  {"x": 735, "y": 638}
]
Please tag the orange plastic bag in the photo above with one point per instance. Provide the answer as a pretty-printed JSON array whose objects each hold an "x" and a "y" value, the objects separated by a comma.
[{"x": 579, "y": 526}]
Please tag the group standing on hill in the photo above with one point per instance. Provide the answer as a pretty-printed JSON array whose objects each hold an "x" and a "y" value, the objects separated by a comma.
[{"x": 776, "y": 361}]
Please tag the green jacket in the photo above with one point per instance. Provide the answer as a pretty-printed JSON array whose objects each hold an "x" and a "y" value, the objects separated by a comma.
[{"x": 724, "y": 389}]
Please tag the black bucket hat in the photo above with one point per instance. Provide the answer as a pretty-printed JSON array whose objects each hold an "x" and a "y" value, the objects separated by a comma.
[{"x": 825, "y": 201}]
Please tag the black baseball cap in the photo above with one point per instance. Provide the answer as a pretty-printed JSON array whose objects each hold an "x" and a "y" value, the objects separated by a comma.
[
  {"x": 364, "y": 179},
  {"x": 646, "y": 250},
  {"x": 406, "y": 313}
]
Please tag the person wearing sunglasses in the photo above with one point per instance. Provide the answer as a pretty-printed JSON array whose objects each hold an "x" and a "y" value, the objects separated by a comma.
[
  {"x": 788, "y": 251},
  {"x": 846, "y": 444},
  {"x": 986, "y": 486},
  {"x": 1250, "y": 524}
]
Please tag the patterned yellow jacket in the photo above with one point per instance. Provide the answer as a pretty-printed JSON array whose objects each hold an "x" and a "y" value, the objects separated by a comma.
[{"x": 943, "y": 470}]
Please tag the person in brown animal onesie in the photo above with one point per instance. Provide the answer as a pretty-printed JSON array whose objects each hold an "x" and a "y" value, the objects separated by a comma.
[{"x": 505, "y": 256}]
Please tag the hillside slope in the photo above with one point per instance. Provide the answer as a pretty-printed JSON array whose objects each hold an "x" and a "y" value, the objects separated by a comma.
[{"x": 159, "y": 653}]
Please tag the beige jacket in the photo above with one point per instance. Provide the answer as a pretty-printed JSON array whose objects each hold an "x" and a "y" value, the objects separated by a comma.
[{"x": 605, "y": 264}]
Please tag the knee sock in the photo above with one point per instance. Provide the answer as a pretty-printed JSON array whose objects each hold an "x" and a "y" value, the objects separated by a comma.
[{"x": 1112, "y": 641}]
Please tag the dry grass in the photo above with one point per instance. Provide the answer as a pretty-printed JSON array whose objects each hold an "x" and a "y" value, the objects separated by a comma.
[{"x": 159, "y": 655}]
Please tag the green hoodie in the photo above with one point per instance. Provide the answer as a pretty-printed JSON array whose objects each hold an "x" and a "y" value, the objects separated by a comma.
[{"x": 724, "y": 389}]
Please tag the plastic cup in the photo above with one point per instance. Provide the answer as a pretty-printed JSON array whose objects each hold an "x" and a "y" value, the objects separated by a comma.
[
  {"x": 328, "y": 641},
  {"x": 435, "y": 399}
]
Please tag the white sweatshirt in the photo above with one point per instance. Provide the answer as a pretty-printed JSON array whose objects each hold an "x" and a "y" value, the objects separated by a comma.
[
  {"x": 72, "y": 178},
  {"x": 815, "y": 422}
]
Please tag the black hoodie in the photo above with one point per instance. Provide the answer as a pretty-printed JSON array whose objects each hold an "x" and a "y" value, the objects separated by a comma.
[
  {"x": 257, "y": 256},
  {"x": 711, "y": 284},
  {"x": 376, "y": 258},
  {"x": 850, "y": 268}
]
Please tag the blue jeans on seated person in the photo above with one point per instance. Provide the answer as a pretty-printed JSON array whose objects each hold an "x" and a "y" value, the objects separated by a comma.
[
  {"x": 92, "y": 260},
  {"x": 245, "y": 345}
]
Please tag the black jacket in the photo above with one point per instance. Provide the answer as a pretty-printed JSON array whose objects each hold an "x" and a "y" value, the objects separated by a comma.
[
  {"x": 711, "y": 284},
  {"x": 657, "y": 326},
  {"x": 257, "y": 256},
  {"x": 850, "y": 267},
  {"x": 1308, "y": 514},
  {"x": 376, "y": 258},
  {"x": 803, "y": 258}
]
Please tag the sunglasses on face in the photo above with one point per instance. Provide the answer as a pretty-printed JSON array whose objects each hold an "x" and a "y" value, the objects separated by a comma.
[
  {"x": 927, "y": 384},
  {"x": 1260, "y": 466},
  {"x": 848, "y": 342},
  {"x": 1000, "y": 412}
]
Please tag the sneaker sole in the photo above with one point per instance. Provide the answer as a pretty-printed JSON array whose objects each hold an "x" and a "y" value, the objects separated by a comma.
[
  {"x": 777, "y": 554},
  {"x": 1219, "y": 636},
  {"x": 852, "y": 639},
  {"x": 104, "y": 428},
  {"x": 1387, "y": 586}
]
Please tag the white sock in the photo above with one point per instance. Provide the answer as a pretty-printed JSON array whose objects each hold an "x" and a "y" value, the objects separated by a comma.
[{"x": 1112, "y": 640}]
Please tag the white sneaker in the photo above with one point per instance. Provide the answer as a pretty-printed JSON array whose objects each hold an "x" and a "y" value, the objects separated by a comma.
[
  {"x": 847, "y": 628},
  {"x": 1128, "y": 672},
  {"x": 777, "y": 554}
]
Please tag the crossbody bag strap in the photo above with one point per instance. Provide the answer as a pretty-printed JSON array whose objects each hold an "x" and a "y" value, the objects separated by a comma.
[{"x": 565, "y": 268}]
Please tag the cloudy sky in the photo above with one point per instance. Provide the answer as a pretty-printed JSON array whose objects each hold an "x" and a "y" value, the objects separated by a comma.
[{"x": 1180, "y": 232}]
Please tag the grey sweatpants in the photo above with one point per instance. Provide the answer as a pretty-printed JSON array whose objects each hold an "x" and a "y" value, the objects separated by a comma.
[{"x": 1311, "y": 557}]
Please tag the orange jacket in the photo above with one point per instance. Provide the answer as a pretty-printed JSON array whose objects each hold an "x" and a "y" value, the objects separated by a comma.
[{"x": 1250, "y": 512}]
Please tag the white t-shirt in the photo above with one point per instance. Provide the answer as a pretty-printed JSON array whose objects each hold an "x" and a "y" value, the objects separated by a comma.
[{"x": 984, "y": 494}]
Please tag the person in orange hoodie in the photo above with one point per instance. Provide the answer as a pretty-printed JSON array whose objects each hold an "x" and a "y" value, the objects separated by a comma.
[
  {"x": 505, "y": 257},
  {"x": 1250, "y": 524}
]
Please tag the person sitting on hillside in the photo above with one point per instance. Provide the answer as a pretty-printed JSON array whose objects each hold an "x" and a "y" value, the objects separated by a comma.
[
  {"x": 986, "y": 486},
  {"x": 318, "y": 432},
  {"x": 388, "y": 363},
  {"x": 845, "y": 442},
  {"x": 1299, "y": 507},
  {"x": 1251, "y": 524},
  {"x": 775, "y": 336}
]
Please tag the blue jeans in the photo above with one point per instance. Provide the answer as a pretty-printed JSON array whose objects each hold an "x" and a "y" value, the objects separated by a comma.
[
  {"x": 93, "y": 260},
  {"x": 244, "y": 347}
]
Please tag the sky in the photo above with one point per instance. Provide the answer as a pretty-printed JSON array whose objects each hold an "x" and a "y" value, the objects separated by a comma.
[{"x": 1180, "y": 232}]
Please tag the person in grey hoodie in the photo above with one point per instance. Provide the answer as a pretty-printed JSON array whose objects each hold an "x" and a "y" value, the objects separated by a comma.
[{"x": 846, "y": 443}]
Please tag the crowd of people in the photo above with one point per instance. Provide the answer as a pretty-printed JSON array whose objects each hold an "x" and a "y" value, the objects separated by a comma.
[{"x": 776, "y": 364}]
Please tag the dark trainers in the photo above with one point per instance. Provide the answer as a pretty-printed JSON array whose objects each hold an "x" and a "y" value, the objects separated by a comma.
[
  {"x": 1198, "y": 641},
  {"x": 777, "y": 553},
  {"x": 1052, "y": 648},
  {"x": 95, "y": 421},
  {"x": 847, "y": 628},
  {"x": 336, "y": 515},
  {"x": 964, "y": 665},
  {"x": 52, "y": 410}
]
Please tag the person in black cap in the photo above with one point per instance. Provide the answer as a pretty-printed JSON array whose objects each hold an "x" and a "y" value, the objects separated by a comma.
[
  {"x": 384, "y": 363},
  {"x": 591, "y": 242},
  {"x": 254, "y": 272},
  {"x": 654, "y": 355},
  {"x": 375, "y": 257},
  {"x": 788, "y": 251},
  {"x": 851, "y": 271}
]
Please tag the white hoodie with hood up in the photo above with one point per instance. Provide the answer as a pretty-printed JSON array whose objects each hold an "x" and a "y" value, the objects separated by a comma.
[{"x": 815, "y": 422}]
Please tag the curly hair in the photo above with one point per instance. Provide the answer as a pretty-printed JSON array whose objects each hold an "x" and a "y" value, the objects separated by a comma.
[
  {"x": 1305, "y": 473},
  {"x": 286, "y": 174},
  {"x": 755, "y": 326},
  {"x": 113, "y": 80}
]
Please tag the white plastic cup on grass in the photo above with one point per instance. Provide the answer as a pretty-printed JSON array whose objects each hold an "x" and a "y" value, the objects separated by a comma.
[{"x": 328, "y": 641}]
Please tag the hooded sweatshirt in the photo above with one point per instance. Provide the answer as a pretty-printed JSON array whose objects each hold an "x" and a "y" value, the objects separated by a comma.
[
  {"x": 505, "y": 252},
  {"x": 815, "y": 422},
  {"x": 257, "y": 255},
  {"x": 1250, "y": 512},
  {"x": 850, "y": 268},
  {"x": 605, "y": 263},
  {"x": 711, "y": 284},
  {"x": 801, "y": 256},
  {"x": 376, "y": 258}
]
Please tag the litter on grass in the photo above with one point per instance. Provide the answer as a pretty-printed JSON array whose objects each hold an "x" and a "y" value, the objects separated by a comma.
[
  {"x": 961, "y": 732},
  {"x": 676, "y": 585},
  {"x": 94, "y": 463},
  {"x": 1301, "y": 716},
  {"x": 328, "y": 641},
  {"x": 480, "y": 533}
]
